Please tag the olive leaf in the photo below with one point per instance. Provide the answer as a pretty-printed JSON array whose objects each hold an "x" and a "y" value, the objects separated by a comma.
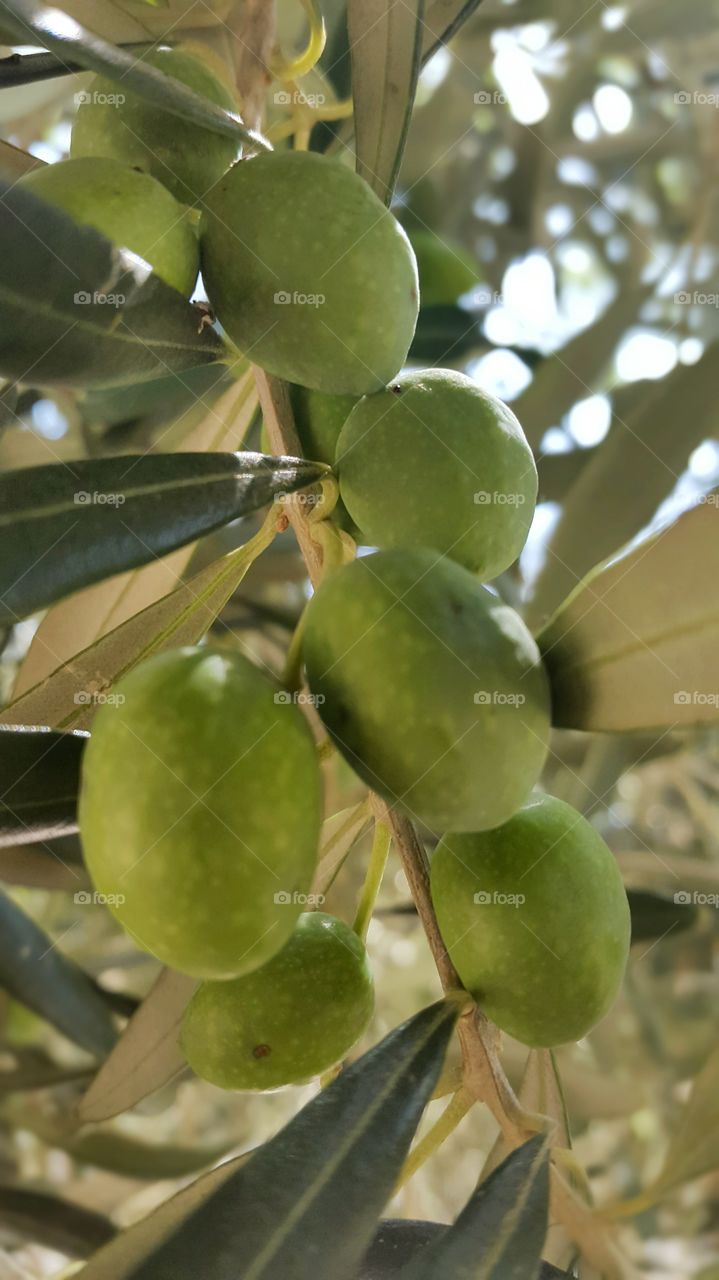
[
  {"x": 442, "y": 20},
  {"x": 62, "y": 35},
  {"x": 386, "y": 47},
  {"x": 304, "y": 1205},
  {"x": 52, "y": 1222},
  {"x": 399, "y": 1240},
  {"x": 500, "y": 1233},
  {"x": 146, "y": 1056},
  {"x": 23, "y": 1069},
  {"x": 39, "y": 779},
  {"x": 67, "y": 525},
  {"x": 619, "y": 653},
  {"x": 76, "y": 310},
  {"x": 654, "y": 915},
  {"x": 36, "y": 973}
]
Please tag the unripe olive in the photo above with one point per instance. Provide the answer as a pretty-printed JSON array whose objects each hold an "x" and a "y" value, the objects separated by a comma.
[
  {"x": 431, "y": 687},
  {"x": 187, "y": 159},
  {"x": 130, "y": 208},
  {"x": 319, "y": 418},
  {"x": 445, "y": 269},
  {"x": 536, "y": 921},
  {"x": 434, "y": 461},
  {"x": 309, "y": 273},
  {"x": 289, "y": 1020},
  {"x": 200, "y": 811}
]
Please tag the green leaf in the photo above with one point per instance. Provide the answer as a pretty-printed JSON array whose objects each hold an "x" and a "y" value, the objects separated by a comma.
[
  {"x": 386, "y": 47},
  {"x": 67, "y": 525},
  {"x": 39, "y": 779},
  {"x": 63, "y": 36},
  {"x": 654, "y": 915},
  {"x": 442, "y": 20},
  {"x": 634, "y": 646},
  {"x": 398, "y": 1240},
  {"x": 75, "y": 310},
  {"x": 146, "y": 1056},
  {"x": 444, "y": 333},
  {"x": 500, "y": 1233},
  {"x": 52, "y": 1222},
  {"x": 179, "y": 618},
  {"x": 24, "y": 1069},
  {"x": 304, "y": 1206},
  {"x": 39, "y": 976}
]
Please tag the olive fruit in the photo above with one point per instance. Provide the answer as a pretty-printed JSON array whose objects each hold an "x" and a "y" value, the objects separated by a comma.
[
  {"x": 309, "y": 273},
  {"x": 434, "y": 461},
  {"x": 445, "y": 269},
  {"x": 288, "y": 1021},
  {"x": 119, "y": 124},
  {"x": 431, "y": 687},
  {"x": 536, "y": 921},
  {"x": 130, "y": 208},
  {"x": 319, "y": 418},
  {"x": 200, "y": 811}
]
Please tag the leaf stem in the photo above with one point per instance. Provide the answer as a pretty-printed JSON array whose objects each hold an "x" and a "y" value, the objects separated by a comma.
[
  {"x": 455, "y": 1111},
  {"x": 373, "y": 880}
]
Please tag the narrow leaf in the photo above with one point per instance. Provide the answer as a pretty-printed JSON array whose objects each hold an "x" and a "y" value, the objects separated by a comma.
[
  {"x": 386, "y": 47},
  {"x": 52, "y": 1222},
  {"x": 442, "y": 20},
  {"x": 67, "y": 525},
  {"x": 305, "y": 1205},
  {"x": 37, "y": 974},
  {"x": 22, "y": 1070},
  {"x": 694, "y": 1149},
  {"x": 621, "y": 655},
  {"x": 39, "y": 779},
  {"x": 146, "y": 1056},
  {"x": 76, "y": 310},
  {"x": 500, "y": 1233},
  {"x": 63, "y": 36}
]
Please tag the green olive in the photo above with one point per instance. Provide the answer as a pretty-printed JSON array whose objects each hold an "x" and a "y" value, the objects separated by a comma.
[
  {"x": 130, "y": 208},
  {"x": 289, "y": 1020},
  {"x": 120, "y": 125},
  {"x": 309, "y": 273},
  {"x": 200, "y": 811},
  {"x": 536, "y": 921},
  {"x": 434, "y": 461},
  {"x": 430, "y": 686}
]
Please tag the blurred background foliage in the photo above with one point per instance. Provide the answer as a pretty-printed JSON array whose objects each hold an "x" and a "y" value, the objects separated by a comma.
[{"x": 560, "y": 184}]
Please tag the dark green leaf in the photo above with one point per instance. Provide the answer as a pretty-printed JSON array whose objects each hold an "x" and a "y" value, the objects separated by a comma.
[
  {"x": 39, "y": 779},
  {"x": 76, "y": 310},
  {"x": 500, "y": 1233},
  {"x": 655, "y": 916},
  {"x": 634, "y": 646},
  {"x": 52, "y": 1222},
  {"x": 63, "y": 36},
  {"x": 399, "y": 1240},
  {"x": 39, "y": 976},
  {"x": 444, "y": 333},
  {"x": 304, "y": 1207},
  {"x": 67, "y": 525},
  {"x": 386, "y": 49}
]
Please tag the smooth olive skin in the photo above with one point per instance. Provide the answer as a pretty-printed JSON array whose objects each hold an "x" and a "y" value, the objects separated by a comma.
[
  {"x": 184, "y": 157},
  {"x": 289, "y": 1020},
  {"x": 420, "y": 668},
  {"x": 308, "y": 272},
  {"x": 200, "y": 802},
  {"x": 130, "y": 208},
  {"x": 548, "y": 969},
  {"x": 434, "y": 461}
]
